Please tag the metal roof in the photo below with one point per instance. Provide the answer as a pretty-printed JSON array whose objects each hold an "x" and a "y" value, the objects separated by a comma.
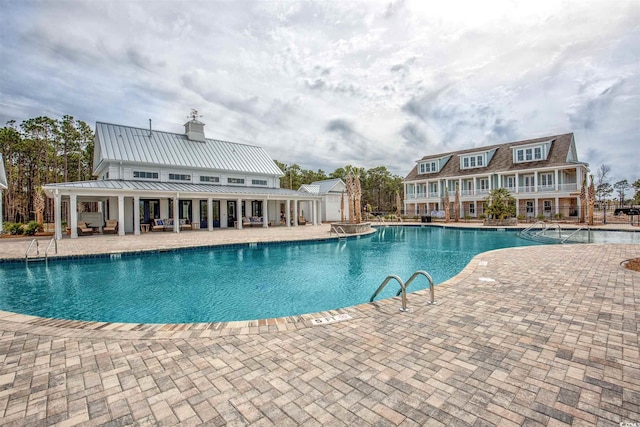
[
  {"x": 326, "y": 185},
  {"x": 115, "y": 143},
  {"x": 98, "y": 187},
  {"x": 3, "y": 175}
]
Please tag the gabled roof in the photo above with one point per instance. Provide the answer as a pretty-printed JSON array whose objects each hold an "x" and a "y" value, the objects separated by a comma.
[
  {"x": 3, "y": 176},
  {"x": 310, "y": 188},
  {"x": 562, "y": 152},
  {"x": 116, "y": 143},
  {"x": 327, "y": 185}
]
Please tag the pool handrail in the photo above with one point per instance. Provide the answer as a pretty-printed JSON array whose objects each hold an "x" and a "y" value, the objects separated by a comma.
[
  {"x": 431, "y": 286},
  {"x": 402, "y": 290},
  {"x": 46, "y": 252},
  {"x": 26, "y": 254},
  {"x": 338, "y": 229}
]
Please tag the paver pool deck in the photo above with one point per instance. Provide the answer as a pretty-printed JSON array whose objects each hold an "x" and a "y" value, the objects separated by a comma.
[{"x": 539, "y": 335}]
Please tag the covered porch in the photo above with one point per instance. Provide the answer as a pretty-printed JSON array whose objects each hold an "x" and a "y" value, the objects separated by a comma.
[{"x": 178, "y": 207}]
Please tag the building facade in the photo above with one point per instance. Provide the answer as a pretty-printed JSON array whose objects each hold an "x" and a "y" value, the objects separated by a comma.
[
  {"x": 543, "y": 174},
  {"x": 146, "y": 175},
  {"x": 334, "y": 199}
]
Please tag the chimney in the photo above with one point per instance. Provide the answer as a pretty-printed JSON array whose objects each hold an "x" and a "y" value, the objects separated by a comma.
[{"x": 194, "y": 129}]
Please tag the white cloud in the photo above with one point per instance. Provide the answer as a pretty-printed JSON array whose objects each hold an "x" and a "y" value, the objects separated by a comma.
[{"x": 324, "y": 84}]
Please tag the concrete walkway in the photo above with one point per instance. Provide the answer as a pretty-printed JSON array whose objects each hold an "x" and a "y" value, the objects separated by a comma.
[{"x": 544, "y": 335}]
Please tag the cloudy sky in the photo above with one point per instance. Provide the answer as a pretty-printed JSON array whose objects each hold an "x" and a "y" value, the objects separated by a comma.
[{"x": 329, "y": 83}]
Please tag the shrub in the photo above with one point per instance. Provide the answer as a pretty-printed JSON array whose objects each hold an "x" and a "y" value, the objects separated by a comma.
[
  {"x": 558, "y": 215},
  {"x": 13, "y": 228},
  {"x": 521, "y": 217},
  {"x": 541, "y": 217},
  {"x": 32, "y": 228}
]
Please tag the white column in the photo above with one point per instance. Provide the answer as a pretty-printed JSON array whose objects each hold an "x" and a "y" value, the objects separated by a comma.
[
  {"x": 535, "y": 182},
  {"x": 555, "y": 180},
  {"x": 136, "y": 216},
  {"x": 517, "y": 182},
  {"x": 57, "y": 208},
  {"x": 535, "y": 207},
  {"x": 475, "y": 185},
  {"x": 314, "y": 211},
  {"x": 287, "y": 214},
  {"x": 557, "y": 205},
  {"x": 265, "y": 213},
  {"x": 239, "y": 214},
  {"x": 1, "y": 211},
  {"x": 176, "y": 216},
  {"x": 210, "y": 214},
  {"x": 295, "y": 213},
  {"x": 121, "y": 215},
  {"x": 73, "y": 215}
]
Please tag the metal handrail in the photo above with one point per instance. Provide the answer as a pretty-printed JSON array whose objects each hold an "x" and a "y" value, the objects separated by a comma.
[
  {"x": 402, "y": 290},
  {"x": 337, "y": 229},
  {"x": 431, "y": 286},
  {"x": 46, "y": 252},
  {"x": 579, "y": 229},
  {"x": 532, "y": 225},
  {"x": 547, "y": 227},
  {"x": 26, "y": 254}
]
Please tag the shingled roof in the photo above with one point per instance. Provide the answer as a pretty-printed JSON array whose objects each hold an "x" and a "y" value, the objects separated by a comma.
[{"x": 562, "y": 152}]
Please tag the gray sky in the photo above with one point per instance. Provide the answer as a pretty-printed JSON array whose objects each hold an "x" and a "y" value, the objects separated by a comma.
[{"x": 329, "y": 83}]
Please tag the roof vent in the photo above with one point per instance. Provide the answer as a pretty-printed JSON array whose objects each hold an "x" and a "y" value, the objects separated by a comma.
[{"x": 194, "y": 128}]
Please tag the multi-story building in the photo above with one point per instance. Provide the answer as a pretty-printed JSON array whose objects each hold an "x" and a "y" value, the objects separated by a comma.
[
  {"x": 145, "y": 175},
  {"x": 543, "y": 174}
]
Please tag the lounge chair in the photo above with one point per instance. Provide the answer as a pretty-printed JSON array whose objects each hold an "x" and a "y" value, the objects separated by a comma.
[
  {"x": 111, "y": 227},
  {"x": 185, "y": 224},
  {"x": 302, "y": 220},
  {"x": 84, "y": 229}
]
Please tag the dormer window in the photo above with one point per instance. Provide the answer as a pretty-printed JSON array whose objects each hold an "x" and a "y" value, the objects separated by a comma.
[
  {"x": 428, "y": 167},
  {"x": 531, "y": 153},
  {"x": 472, "y": 161}
]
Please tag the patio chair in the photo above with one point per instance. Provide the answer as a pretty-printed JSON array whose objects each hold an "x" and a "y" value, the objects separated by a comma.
[
  {"x": 111, "y": 227},
  {"x": 84, "y": 229},
  {"x": 158, "y": 225}
]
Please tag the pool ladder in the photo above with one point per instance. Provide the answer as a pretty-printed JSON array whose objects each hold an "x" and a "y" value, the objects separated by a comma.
[
  {"x": 53, "y": 241},
  {"x": 339, "y": 231},
  {"x": 404, "y": 286}
]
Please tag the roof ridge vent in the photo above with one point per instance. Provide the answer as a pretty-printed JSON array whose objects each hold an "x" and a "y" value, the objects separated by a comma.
[{"x": 194, "y": 128}]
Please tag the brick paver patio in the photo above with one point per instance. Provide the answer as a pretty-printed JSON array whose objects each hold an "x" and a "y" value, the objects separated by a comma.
[{"x": 544, "y": 335}]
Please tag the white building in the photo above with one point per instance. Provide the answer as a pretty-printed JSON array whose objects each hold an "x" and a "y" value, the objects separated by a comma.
[
  {"x": 334, "y": 198},
  {"x": 543, "y": 174},
  {"x": 146, "y": 175}
]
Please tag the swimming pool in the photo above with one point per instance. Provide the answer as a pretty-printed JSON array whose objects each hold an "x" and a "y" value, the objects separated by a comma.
[{"x": 243, "y": 283}]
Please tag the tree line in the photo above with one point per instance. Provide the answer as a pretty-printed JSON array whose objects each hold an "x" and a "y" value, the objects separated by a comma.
[
  {"x": 380, "y": 188},
  {"x": 619, "y": 189},
  {"x": 42, "y": 151}
]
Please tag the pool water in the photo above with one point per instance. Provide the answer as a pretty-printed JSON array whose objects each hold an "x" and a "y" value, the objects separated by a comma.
[{"x": 251, "y": 282}]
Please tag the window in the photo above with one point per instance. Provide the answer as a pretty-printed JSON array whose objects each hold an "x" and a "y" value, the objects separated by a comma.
[
  {"x": 235, "y": 180},
  {"x": 258, "y": 182},
  {"x": 483, "y": 184},
  {"x": 529, "y": 154},
  {"x": 547, "y": 206},
  {"x": 537, "y": 153},
  {"x": 473, "y": 161},
  {"x": 209, "y": 179},
  {"x": 145, "y": 175},
  {"x": 546, "y": 179},
  {"x": 472, "y": 208},
  {"x": 529, "y": 207},
  {"x": 428, "y": 167},
  {"x": 179, "y": 177},
  {"x": 511, "y": 182}
]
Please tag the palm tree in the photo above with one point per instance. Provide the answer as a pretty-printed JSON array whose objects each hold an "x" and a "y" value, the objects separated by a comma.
[{"x": 500, "y": 204}]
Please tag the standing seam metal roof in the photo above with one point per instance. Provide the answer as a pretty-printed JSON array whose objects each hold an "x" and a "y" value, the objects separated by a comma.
[{"x": 128, "y": 144}]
